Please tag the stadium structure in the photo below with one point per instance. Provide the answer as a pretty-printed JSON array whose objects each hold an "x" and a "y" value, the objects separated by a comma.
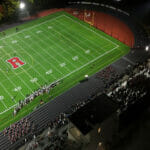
[{"x": 60, "y": 58}]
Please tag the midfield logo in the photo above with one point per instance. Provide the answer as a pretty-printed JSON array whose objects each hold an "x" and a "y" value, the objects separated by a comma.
[{"x": 15, "y": 62}]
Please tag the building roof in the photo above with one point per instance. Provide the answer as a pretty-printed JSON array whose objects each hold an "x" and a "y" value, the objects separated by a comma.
[{"x": 94, "y": 112}]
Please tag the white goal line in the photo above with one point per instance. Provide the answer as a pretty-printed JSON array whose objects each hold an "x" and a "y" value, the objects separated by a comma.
[{"x": 75, "y": 69}]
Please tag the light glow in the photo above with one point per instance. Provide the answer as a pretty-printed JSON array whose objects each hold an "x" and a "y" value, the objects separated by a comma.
[
  {"x": 22, "y": 5},
  {"x": 147, "y": 48},
  {"x": 86, "y": 76}
]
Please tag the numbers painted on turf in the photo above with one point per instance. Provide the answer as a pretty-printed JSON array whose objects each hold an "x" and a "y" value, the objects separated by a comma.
[
  {"x": 75, "y": 58},
  {"x": 49, "y": 72},
  {"x": 38, "y": 31},
  {"x": 63, "y": 65},
  {"x": 34, "y": 80},
  {"x": 1, "y": 98},
  {"x": 14, "y": 41},
  {"x": 27, "y": 36},
  {"x": 87, "y": 51},
  {"x": 18, "y": 89},
  {"x": 49, "y": 27}
]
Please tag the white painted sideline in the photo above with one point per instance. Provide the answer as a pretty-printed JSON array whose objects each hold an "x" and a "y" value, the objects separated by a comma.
[
  {"x": 29, "y": 28},
  {"x": 75, "y": 69},
  {"x": 55, "y": 19},
  {"x": 91, "y": 30}
]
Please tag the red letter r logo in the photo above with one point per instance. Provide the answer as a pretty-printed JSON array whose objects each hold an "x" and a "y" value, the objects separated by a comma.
[{"x": 15, "y": 62}]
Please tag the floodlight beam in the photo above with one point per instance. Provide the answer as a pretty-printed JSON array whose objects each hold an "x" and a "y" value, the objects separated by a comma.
[
  {"x": 146, "y": 48},
  {"x": 22, "y": 5}
]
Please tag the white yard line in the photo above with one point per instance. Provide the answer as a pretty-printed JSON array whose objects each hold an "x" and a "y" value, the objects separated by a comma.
[
  {"x": 71, "y": 41},
  {"x": 82, "y": 41},
  {"x": 74, "y": 42},
  {"x": 1, "y": 104},
  {"x": 59, "y": 62},
  {"x": 24, "y": 72},
  {"x": 46, "y": 54},
  {"x": 21, "y": 68},
  {"x": 63, "y": 15},
  {"x": 13, "y": 84},
  {"x": 23, "y": 80},
  {"x": 88, "y": 63},
  {"x": 36, "y": 62},
  {"x": 4, "y": 104},
  {"x": 8, "y": 108},
  {"x": 7, "y": 91},
  {"x": 82, "y": 56},
  {"x": 69, "y": 46},
  {"x": 64, "y": 51},
  {"x": 74, "y": 71},
  {"x": 60, "y": 48},
  {"x": 17, "y": 77},
  {"x": 22, "y": 30},
  {"x": 90, "y": 30}
]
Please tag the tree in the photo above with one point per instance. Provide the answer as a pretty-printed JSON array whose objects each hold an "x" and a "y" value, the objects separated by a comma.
[
  {"x": 31, "y": 1},
  {"x": 9, "y": 7},
  {"x": 1, "y": 12}
]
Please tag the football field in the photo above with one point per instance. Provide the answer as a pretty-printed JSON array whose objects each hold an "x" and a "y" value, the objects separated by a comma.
[{"x": 58, "y": 47}]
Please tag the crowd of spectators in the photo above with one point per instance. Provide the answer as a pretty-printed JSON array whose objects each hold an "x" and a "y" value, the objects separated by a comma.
[
  {"x": 135, "y": 86},
  {"x": 125, "y": 91},
  {"x": 55, "y": 139},
  {"x": 58, "y": 122},
  {"x": 31, "y": 97},
  {"x": 19, "y": 129},
  {"x": 107, "y": 75}
]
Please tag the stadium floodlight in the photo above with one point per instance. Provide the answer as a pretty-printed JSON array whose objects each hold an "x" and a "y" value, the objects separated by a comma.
[
  {"x": 22, "y": 5},
  {"x": 146, "y": 48},
  {"x": 86, "y": 76}
]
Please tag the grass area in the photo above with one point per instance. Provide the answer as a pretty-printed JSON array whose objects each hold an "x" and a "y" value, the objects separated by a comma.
[{"x": 55, "y": 47}]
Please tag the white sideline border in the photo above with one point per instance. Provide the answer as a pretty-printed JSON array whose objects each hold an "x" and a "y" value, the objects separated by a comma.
[
  {"x": 72, "y": 72},
  {"x": 55, "y": 19},
  {"x": 75, "y": 69},
  {"x": 91, "y": 30}
]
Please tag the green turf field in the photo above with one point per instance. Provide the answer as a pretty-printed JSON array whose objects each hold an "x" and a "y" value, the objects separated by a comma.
[{"x": 52, "y": 48}]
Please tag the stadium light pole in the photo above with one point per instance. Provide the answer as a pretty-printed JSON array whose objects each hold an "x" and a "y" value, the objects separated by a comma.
[
  {"x": 146, "y": 48},
  {"x": 22, "y": 10},
  {"x": 86, "y": 76},
  {"x": 22, "y": 5}
]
